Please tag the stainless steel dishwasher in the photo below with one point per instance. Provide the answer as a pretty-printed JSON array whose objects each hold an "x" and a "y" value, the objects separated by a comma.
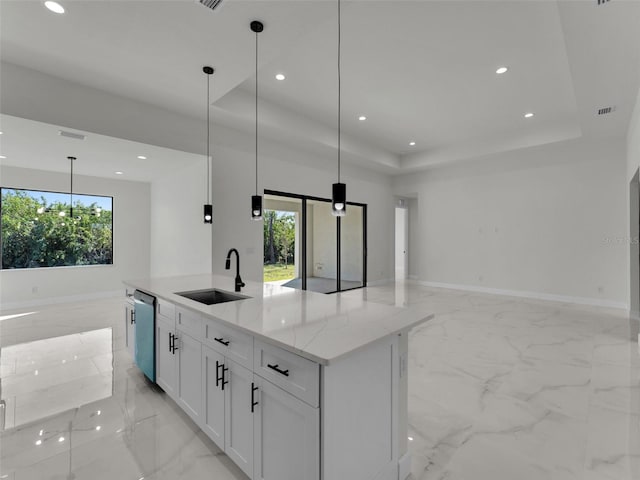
[{"x": 145, "y": 315}]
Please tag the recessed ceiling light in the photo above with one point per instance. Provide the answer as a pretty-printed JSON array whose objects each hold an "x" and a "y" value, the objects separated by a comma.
[
  {"x": 38, "y": 442},
  {"x": 61, "y": 439},
  {"x": 501, "y": 70},
  {"x": 2, "y": 157},
  {"x": 118, "y": 173},
  {"x": 1, "y": 133},
  {"x": 141, "y": 157},
  {"x": 280, "y": 76},
  {"x": 528, "y": 115},
  {"x": 362, "y": 118},
  {"x": 55, "y": 7},
  {"x": 412, "y": 143}
]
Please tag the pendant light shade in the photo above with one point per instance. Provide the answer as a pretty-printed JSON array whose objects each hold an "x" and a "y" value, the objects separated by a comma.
[
  {"x": 256, "y": 207},
  {"x": 256, "y": 200},
  {"x": 339, "y": 190},
  {"x": 339, "y": 200},
  {"x": 208, "y": 207},
  {"x": 208, "y": 213}
]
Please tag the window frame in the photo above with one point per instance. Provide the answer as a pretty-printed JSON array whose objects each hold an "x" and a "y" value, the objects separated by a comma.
[{"x": 93, "y": 265}]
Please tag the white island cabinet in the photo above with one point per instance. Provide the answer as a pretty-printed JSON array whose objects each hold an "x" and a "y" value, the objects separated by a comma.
[{"x": 291, "y": 385}]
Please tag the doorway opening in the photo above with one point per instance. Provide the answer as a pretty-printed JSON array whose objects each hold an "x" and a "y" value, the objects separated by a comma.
[
  {"x": 282, "y": 253},
  {"x": 402, "y": 242}
]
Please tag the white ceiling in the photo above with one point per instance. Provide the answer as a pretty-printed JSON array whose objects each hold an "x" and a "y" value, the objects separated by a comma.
[
  {"x": 420, "y": 71},
  {"x": 37, "y": 145}
]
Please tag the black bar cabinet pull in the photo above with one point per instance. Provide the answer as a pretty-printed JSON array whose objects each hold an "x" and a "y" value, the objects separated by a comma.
[
  {"x": 174, "y": 348},
  {"x": 133, "y": 316},
  {"x": 217, "y": 373},
  {"x": 281, "y": 372},
  {"x": 224, "y": 382},
  {"x": 221, "y": 340},
  {"x": 171, "y": 342},
  {"x": 253, "y": 402}
]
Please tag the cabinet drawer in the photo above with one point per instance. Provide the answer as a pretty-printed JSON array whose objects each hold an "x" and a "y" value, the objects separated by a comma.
[
  {"x": 296, "y": 375},
  {"x": 166, "y": 309},
  {"x": 232, "y": 343},
  {"x": 189, "y": 322}
]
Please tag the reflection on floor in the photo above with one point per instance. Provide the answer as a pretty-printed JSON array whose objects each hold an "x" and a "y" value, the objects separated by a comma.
[
  {"x": 500, "y": 388},
  {"x": 322, "y": 285},
  {"x": 52, "y": 375}
]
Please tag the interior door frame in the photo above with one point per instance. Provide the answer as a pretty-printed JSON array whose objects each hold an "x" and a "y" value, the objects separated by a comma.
[{"x": 303, "y": 221}]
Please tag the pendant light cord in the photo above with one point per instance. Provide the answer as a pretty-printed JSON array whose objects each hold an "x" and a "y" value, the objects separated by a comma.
[
  {"x": 71, "y": 160},
  {"x": 339, "y": 88},
  {"x": 256, "y": 113},
  {"x": 208, "y": 139}
]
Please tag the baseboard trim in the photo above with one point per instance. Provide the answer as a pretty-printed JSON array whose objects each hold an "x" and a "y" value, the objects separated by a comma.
[
  {"x": 404, "y": 466},
  {"x": 596, "y": 302},
  {"x": 57, "y": 300}
]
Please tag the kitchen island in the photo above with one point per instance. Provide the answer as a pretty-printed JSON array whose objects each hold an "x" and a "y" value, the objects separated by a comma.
[{"x": 292, "y": 385}]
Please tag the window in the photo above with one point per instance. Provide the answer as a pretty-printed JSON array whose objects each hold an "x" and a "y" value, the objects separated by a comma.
[{"x": 41, "y": 229}]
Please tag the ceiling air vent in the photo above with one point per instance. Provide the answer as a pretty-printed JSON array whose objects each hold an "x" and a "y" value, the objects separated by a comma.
[
  {"x": 212, "y": 4},
  {"x": 605, "y": 110},
  {"x": 602, "y": 2},
  {"x": 77, "y": 136}
]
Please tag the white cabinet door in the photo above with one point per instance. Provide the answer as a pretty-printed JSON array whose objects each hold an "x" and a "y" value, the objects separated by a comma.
[
  {"x": 287, "y": 433},
  {"x": 238, "y": 416},
  {"x": 166, "y": 374},
  {"x": 213, "y": 395},
  {"x": 130, "y": 329},
  {"x": 189, "y": 381}
]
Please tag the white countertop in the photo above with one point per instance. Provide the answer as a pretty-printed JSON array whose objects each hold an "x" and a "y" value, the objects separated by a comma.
[{"x": 322, "y": 328}]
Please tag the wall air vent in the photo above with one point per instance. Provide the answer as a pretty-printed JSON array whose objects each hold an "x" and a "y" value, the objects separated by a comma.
[
  {"x": 77, "y": 136},
  {"x": 212, "y": 4},
  {"x": 605, "y": 110},
  {"x": 602, "y": 2}
]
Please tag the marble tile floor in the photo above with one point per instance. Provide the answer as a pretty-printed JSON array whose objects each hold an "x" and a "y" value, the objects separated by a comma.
[{"x": 499, "y": 388}]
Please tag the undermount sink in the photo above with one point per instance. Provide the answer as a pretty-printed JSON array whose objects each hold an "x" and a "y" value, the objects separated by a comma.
[{"x": 211, "y": 296}]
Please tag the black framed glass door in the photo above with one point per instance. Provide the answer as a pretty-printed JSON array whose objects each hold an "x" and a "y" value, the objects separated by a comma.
[{"x": 306, "y": 247}]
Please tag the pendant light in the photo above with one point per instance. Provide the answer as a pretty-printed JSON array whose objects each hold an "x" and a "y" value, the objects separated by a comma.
[
  {"x": 339, "y": 190},
  {"x": 256, "y": 200},
  {"x": 208, "y": 206}
]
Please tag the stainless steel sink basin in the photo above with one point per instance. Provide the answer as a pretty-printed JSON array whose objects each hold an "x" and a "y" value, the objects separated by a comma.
[{"x": 211, "y": 296}]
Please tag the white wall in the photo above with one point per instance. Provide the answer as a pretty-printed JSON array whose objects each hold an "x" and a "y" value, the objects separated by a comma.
[
  {"x": 633, "y": 253},
  {"x": 287, "y": 170},
  {"x": 544, "y": 221},
  {"x": 180, "y": 240},
  {"x": 130, "y": 242},
  {"x": 413, "y": 251}
]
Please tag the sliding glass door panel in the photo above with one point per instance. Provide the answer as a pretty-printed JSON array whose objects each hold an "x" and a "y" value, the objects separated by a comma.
[
  {"x": 283, "y": 246},
  {"x": 322, "y": 264},
  {"x": 352, "y": 258}
]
